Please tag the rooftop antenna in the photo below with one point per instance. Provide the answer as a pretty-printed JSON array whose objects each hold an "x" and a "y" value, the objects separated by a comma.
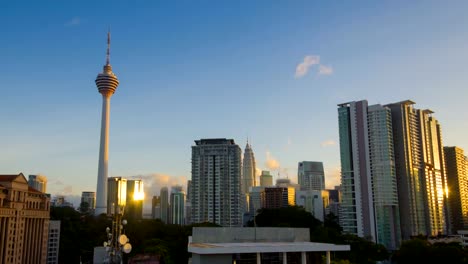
[{"x": 108, "y": 47}]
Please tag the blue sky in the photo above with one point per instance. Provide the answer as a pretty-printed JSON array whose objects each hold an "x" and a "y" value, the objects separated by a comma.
[{"x": 200, "y": 69}]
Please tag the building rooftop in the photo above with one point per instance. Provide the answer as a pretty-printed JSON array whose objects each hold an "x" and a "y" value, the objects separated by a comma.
[
  {"x": 9, "y": 177},
  {"x": 214, "y": 141},
  {"x": 262, "y": 247}
]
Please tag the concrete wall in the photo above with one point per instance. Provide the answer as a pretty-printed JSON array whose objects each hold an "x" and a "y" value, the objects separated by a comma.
[{"x": 249, "y": 234}]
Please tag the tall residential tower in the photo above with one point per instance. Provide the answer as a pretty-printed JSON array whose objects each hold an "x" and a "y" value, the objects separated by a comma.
[
  {"x": 106, "y": 83},
  {"x": 368, "y": 182},
  {"x": 216, "y": 182},
  {"x": 457, "y": 181},
  {"x": 164, "y": 204},
  {"x": 419, "y": 160}
]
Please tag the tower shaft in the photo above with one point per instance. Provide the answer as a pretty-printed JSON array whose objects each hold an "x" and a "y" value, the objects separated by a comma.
[
  {"x": 101, "y": 194},
  {"x": 106, "y": 83}
]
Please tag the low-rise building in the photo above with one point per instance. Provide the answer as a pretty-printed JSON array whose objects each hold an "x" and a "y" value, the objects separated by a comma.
[
  {"x": 24, "y": 221},
  {"x": 257, "y": 245}
]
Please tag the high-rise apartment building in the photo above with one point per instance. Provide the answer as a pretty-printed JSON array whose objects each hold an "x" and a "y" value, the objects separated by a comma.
[
  {"x": 24, "y": 221},
  {"x": 53, "y": 242},
  {"x": 188, "y": 204},
  {"x": 256, "y": 199},
  {"x": 369, "y": 205},
  {"x": 419, "y": 160},
  {"x": 279, "y": 197},
  {"x": 38, "y": 182},
  {"x": 357, "y": 210},
  {"x": 135, "y": 196},
  {"x": 266, "y": 179},
  {"x": 456, "y": 164},
  {"x": 248, "y": 169},
  {"x": 384, "y": 182},
  {"x": 216, "y": 182},
  {"x": 188, "y": 212},
  {"x": 88, "y": 201},
  {"x": 310, "y": 175},
  {"x": 334, "y": 200},
  {"x": 177, "y": 206},
  {"x": 116, "y": 195},
  {"x": 189, "y": 190},
  {"x": 164, "y": 196},
  {"x": 312, "y": 201},
  {"x": 156, "y": 207}
]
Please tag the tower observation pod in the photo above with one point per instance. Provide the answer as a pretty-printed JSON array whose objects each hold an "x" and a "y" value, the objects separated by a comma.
[{"x": 106, "y": 83}]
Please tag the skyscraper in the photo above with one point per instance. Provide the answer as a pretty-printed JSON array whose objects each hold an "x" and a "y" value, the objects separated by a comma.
[
  {"x": 116, "y": 195},
  {"x": 310, "y": 175},
  {"x": 177, "y": 205},
  {"x": 420, "y": 169},
  {"x": 369, "y": 206},
  {"x": 156, "y": 207},
  {"x": 384, "y": 182},
  {"x": 189, "y": 190},
  {"x": 107, "y": 83},
  {"x": 38, "y": 182},
  {"x": 135, "y": 196},
  {"x": 164, "y": 196},
  {"x": 188, "y": 204},
  {"x": 248, "y": 169},
  {"x": 457, "y": 181},
  {"x": 256, "y": 199},
  {"x": 216, "y": 180},
  {"x": 357, "y": 215},
  {"x": 266, "y": 180},
  {"x": 88, "y": 201}
]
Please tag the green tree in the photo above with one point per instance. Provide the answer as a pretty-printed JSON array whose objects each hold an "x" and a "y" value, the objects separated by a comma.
[
  {"x": 84, "y": 207},
  {"x": 419, "y": 250}
]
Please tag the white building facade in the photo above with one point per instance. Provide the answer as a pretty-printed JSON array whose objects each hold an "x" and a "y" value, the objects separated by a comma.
[
  {"x": 53, "y": 242},
  {"x": 310, "y": 175}
]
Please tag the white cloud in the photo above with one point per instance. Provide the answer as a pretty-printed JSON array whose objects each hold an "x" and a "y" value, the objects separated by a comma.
[
  {"x": 271, "y": 163},
  {"x": 332, "y": 177},
  {"x": 328, "y": 143},
  {"x": 303, "y": 67},
  {"x": 325, "y": 70},
  {"x": 258, "y": 172},
  {"x": 73, "y": 22}
]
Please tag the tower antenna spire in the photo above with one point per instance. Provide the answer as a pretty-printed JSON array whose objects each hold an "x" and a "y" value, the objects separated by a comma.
[{"x": 108, "y": 47}]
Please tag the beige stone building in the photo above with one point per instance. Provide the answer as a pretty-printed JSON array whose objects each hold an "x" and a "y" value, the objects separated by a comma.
[{"x": 24, "y": 221}]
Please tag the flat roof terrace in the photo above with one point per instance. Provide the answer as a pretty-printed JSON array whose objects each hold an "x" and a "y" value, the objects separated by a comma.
[
  {"x": 220, "y": 245},
  {"x": 262, "y": 247}
]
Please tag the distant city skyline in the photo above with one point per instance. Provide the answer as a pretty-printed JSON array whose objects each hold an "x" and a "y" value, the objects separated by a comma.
[{"x": 277, "y": 70}]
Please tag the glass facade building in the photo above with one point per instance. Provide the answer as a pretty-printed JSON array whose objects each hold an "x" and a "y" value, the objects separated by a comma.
[
  {"x": 369, "y": 206},
  {"x": 420, "y": 171},
  {"x": 457, "y": 183}
]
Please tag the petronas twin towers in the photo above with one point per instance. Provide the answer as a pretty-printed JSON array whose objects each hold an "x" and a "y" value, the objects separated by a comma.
[{"x": 248, "y": 169}]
